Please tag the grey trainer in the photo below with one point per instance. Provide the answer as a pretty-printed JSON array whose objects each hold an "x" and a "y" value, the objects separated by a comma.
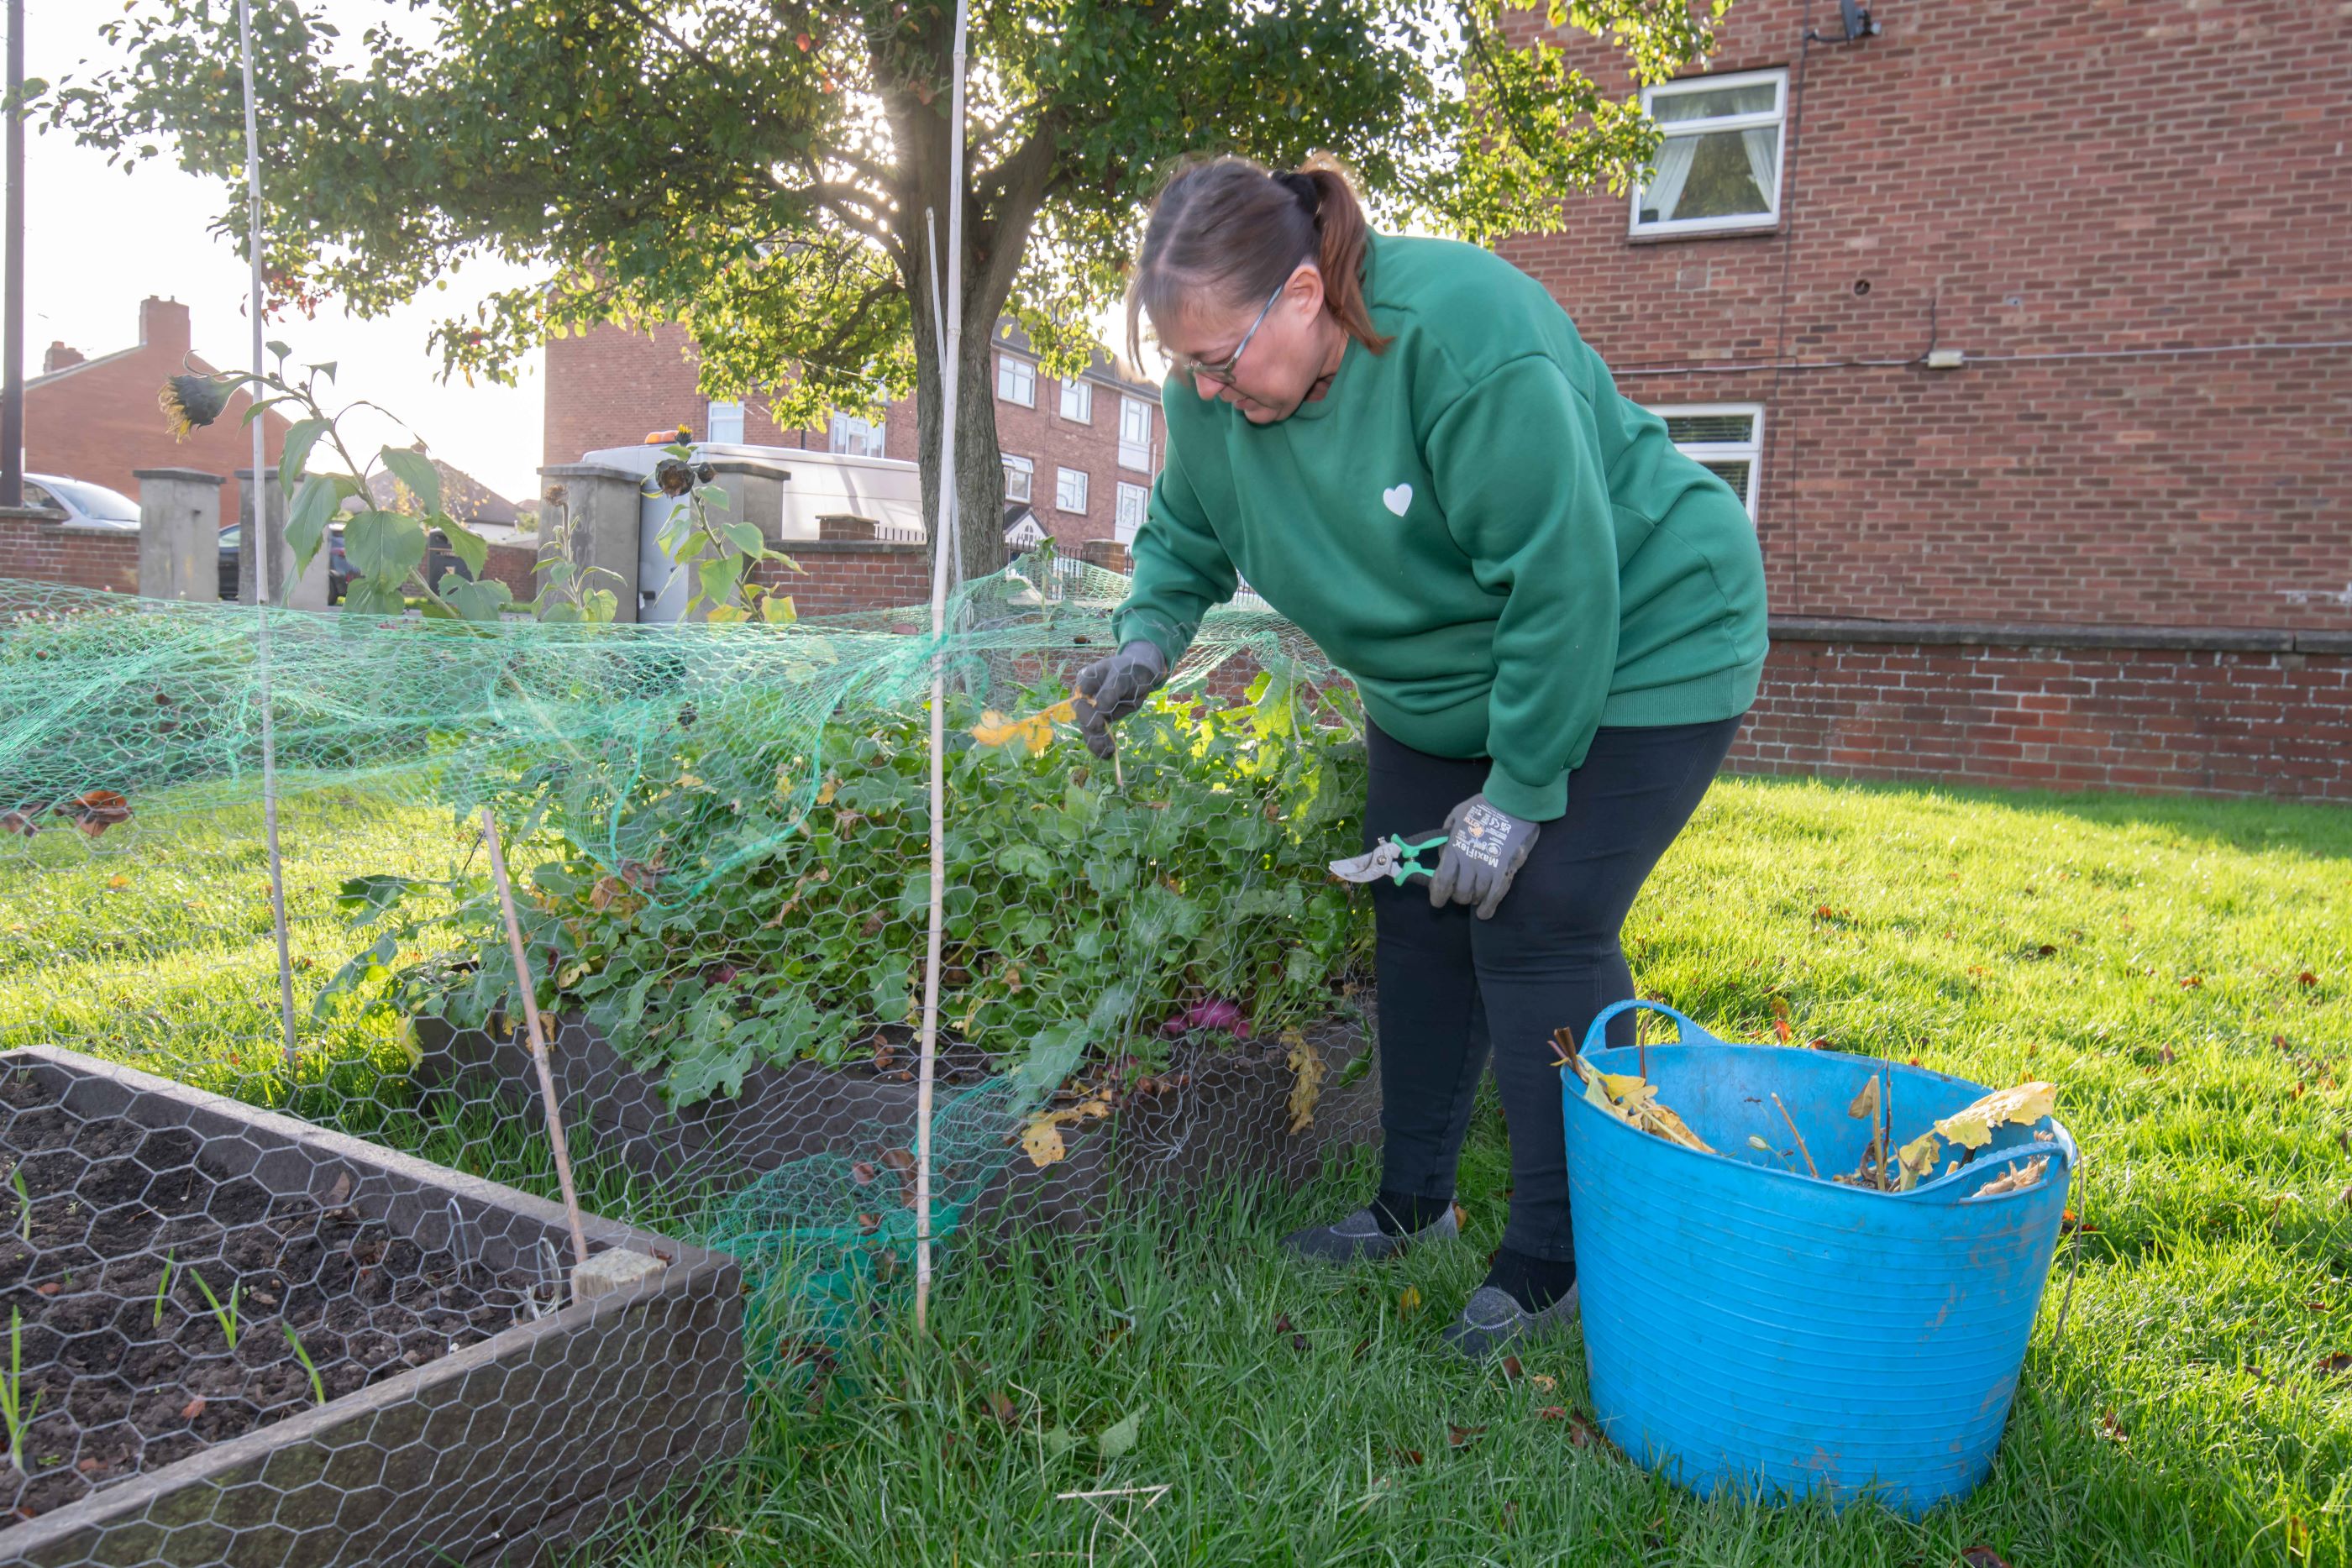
[
  {"x": 1492, "y": 1321},
  {"x": 1358, "y": 1238}
]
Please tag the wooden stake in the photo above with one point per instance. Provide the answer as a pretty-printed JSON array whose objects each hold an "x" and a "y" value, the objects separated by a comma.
[
  {"x": 1811, "y": 1168},
  {"x": 538, "y": 1040}
]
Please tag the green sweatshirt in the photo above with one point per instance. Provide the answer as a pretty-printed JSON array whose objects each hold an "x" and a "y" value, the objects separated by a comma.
[{"x": 1503, "y": 551}]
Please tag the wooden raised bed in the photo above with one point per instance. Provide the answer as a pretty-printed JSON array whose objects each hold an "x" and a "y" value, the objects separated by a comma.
[
  {"x": 501, "y": 1431},
  {"x": 1221, "y": 1112}
]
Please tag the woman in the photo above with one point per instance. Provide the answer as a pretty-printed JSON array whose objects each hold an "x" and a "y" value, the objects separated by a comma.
[{"x": 1555, "y": 619}]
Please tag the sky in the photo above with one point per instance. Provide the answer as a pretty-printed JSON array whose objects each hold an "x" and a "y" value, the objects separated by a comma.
[{"x": 97, "y": 241}]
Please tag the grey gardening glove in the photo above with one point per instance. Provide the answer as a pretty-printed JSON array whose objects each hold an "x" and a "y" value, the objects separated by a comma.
[
  {"x": 1109, "y": 689},
  {"x": 1487, "y": 848}
]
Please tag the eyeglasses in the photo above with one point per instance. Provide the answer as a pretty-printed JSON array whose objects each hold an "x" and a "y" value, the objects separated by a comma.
[{"x": 1193, "y": 370}]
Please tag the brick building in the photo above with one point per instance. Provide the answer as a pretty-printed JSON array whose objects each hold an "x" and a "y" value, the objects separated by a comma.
[
  {"x": 97, "y": 419},
  {"x": 2026, "y": 330},
  {"x": 1079, "y": 454}
]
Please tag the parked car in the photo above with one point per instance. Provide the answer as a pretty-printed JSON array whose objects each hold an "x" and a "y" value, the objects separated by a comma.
[
  {"x": 91, "y": 506},
  {"x": 232, "y": 542}
]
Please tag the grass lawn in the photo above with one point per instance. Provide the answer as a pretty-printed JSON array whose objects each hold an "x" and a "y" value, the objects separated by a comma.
[{"x": 2150, "y": 956}]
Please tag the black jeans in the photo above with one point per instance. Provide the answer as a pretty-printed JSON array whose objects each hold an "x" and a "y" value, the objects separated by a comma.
[{"x": 1449, "y": 982}]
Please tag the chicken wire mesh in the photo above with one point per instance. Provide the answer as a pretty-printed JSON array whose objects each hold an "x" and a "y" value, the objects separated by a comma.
[{"x": 718, "y": 842}]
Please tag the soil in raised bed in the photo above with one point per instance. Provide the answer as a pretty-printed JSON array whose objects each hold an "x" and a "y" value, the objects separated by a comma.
[{"x": 114, "y": 1206}]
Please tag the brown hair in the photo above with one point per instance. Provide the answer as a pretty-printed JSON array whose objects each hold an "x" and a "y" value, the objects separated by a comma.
[{"x": 1231, "y": 229}]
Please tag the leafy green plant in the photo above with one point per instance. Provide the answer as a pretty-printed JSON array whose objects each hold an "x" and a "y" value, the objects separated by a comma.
[
  {"x": 11, "y": 1391},
  {"x": 1079, "y": 916},
  {"x": 318, "y": 1387},
  {"x": 164, "y": 1286},
  {"x": 388, "y": 543},
  {"x": 24, "y": 1205},
  {"x": 226, "y": 1315}
]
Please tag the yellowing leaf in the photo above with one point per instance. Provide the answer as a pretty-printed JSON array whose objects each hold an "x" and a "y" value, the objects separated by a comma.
[
  {"x": 1865, "y": 1104},
  {"x": 1305, "y": 1082},
  {"x": 1971, "y": 1126},
  {"x": 1918, "y": 1157},
  {"x": 1043, "y": 1143},
  {"x": 1408, "y": 1302},
  {"x": 1033, "y": 734},
  {"x": 826, "y": 793}
]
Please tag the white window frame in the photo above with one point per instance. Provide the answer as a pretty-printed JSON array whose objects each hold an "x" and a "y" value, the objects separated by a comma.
[
  {"x": 731, "y": 413},
  {"x": 870, "y": 436},
  {"x": 1777, "y": 118},
  {"x": 1025, "y": 469},
  {"x": 1134, "y": 454},
  {"x": 1062, "y": 486},
  {"x": 1134, "y": 506},
  {"x": 1013, "y": 371},
  {"x": 1751, "y": 450},
  {"x": 1081, "y": 393}
]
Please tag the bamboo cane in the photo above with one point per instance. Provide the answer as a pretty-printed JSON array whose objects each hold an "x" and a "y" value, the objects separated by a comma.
[{"x": 538, "y": 1040}]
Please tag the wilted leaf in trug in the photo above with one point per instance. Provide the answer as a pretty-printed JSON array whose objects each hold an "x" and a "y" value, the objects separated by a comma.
[
  {"x": 1758, "y": 1145},
  {"x": 1865, "y": 1104},
  {"x": 1917, "y": 1158},
  {"x": 1971, "y": 1126},
  {"x": 1408, "y": 1302},
  {"x": 2024, "y": 1173},
  {"x": 1117, "y": 1439}
]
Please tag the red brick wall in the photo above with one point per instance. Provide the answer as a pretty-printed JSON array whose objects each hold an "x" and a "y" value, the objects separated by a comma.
[
  {"x": 2110, "y": 180},
  {"x": 98, "y": 419},
  {"x": 609, "y": 387},
  {"x": 844, "y": 576},
  {"x": 2191, "y": 721},
  {"x": 41, "y": 551}
]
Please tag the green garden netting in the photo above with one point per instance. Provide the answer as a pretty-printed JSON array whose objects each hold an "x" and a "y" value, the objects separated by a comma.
[{"x": 719, "y": 837}]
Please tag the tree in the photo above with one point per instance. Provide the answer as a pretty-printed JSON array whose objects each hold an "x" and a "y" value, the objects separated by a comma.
[{"x": 760, "y": 170}]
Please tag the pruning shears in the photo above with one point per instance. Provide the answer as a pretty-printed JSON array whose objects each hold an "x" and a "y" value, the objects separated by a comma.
[{"x": 1395, "y": 857}]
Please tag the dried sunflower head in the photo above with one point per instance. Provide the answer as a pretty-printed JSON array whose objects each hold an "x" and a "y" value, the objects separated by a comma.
[{"x": 190, "y": 402}]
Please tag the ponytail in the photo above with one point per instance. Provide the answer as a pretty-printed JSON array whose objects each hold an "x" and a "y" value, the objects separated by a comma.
[{"x": 1228, "y": 229}]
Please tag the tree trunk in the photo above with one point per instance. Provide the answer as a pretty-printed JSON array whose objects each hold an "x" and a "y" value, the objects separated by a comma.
[{"x": 980, "y": 467}]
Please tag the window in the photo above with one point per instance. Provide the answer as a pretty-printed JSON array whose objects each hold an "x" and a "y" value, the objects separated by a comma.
[
  {"x": 1725, "y": 439},
  {"x": 1134, "y": 502},
  {"x": 1719, "y": 166},
  {"x": 1070, "y": 489},
  {"x": 1135, "y": 434},
  {"x": 1078, "y": 400},
  {"x": 727, "y": 423},
  {"x": 856, "y": 437},
  {"x": 1016, "y": 380},
  {"x": 1018, "y": 474}
]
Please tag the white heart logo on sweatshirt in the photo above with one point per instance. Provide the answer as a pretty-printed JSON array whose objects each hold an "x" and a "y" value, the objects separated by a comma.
[{"x": 1399, "y": 499}]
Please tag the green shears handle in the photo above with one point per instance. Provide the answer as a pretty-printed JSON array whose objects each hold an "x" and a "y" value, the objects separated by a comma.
[{"x": 1409, "y": 853}]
